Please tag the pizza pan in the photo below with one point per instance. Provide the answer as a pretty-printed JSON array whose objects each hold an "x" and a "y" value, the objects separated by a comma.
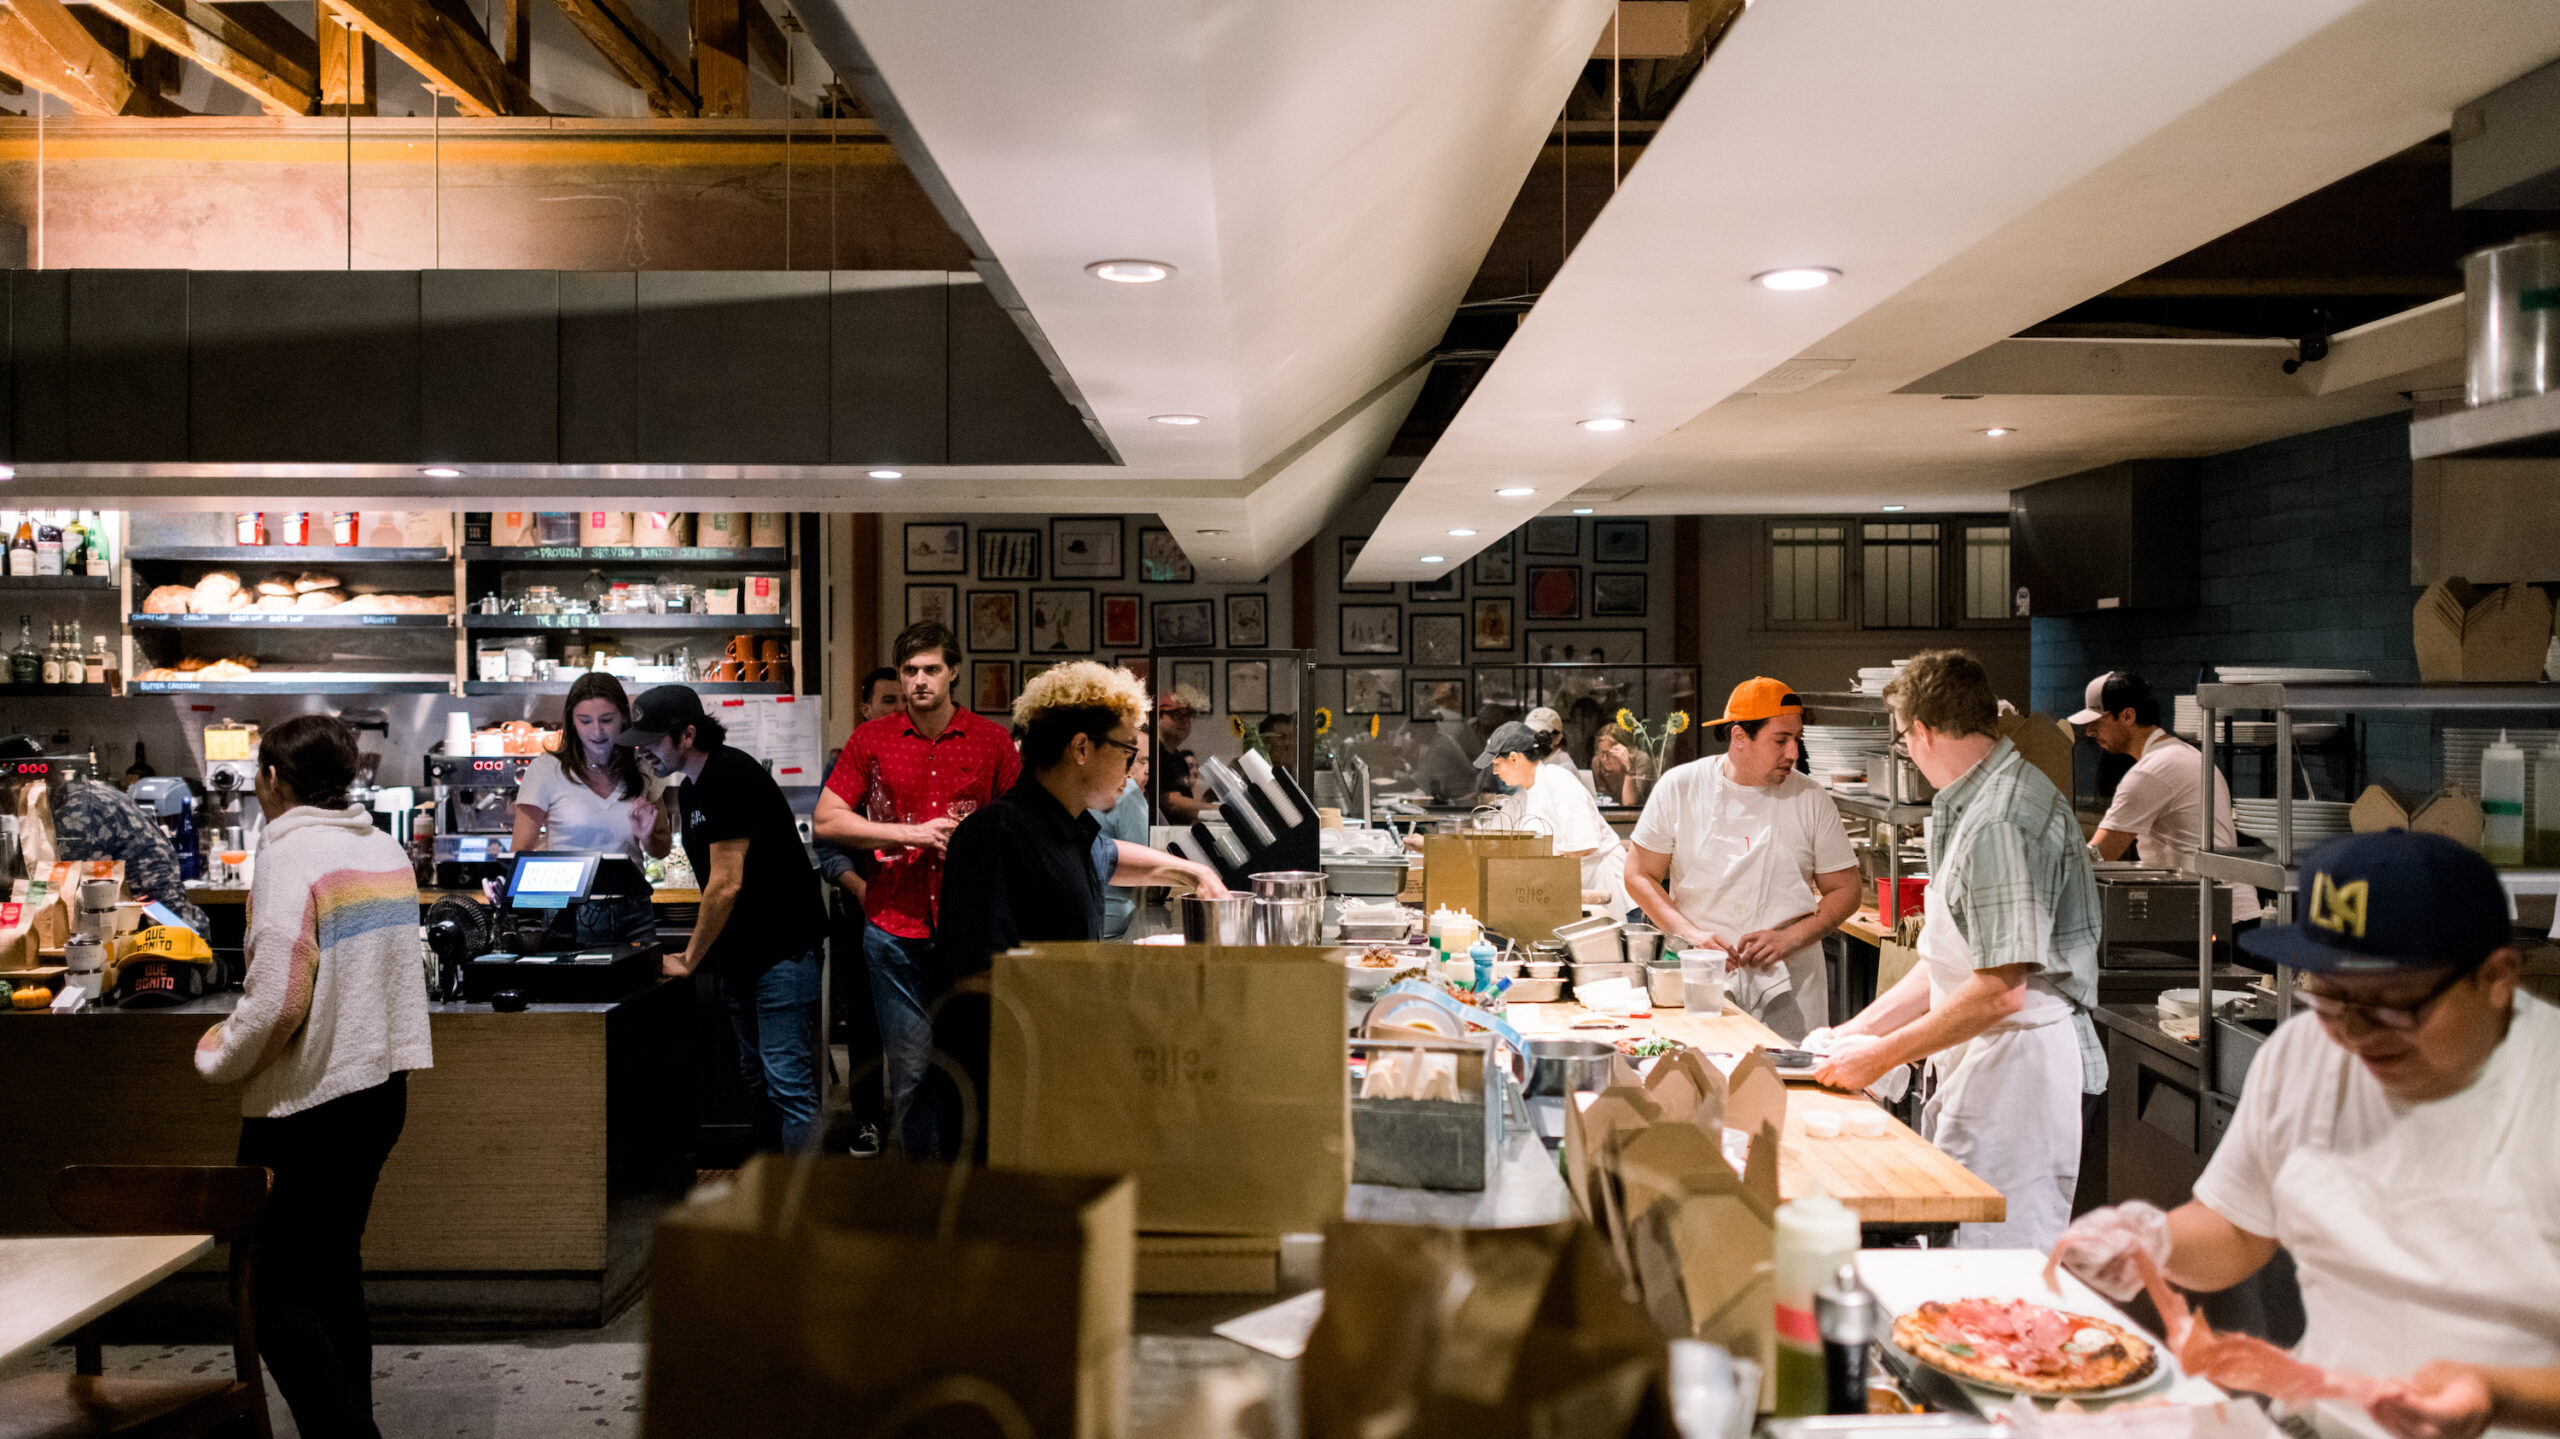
[{"x": 2163, "y": 1371}]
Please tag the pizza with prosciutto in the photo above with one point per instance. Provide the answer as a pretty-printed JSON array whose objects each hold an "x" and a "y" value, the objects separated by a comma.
[{"x": 2017, "y": 1345}]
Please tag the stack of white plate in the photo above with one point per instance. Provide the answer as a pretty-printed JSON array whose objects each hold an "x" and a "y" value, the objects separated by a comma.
[
  {"x": 1841, "y": 746},
  {"x": 2462, "y": 756},
  {"x": 1873, "y": 678},
  {"x": 2188, "y": 715},
  {"x": 2314, "y": 820},
  {"x": 2291, "y": 675}
]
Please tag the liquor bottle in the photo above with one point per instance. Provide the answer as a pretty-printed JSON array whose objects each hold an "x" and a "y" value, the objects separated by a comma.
[
  {"x": 22, "y": 547},
  {"x": 26, "y": 662},
  {"x": 49, "y": 663},
  {"x": 140, "y": 769},
  {"x": 93, "y": 665},
  {"x": 48, "y": 543},
  {"x": 101, "y": 562},
  {"x": 75, "y": 543},
  {"x": 74, "y": 669}
]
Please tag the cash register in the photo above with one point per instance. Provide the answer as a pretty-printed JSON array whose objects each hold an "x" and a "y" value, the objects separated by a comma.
[{"x": 541, "y": 883}]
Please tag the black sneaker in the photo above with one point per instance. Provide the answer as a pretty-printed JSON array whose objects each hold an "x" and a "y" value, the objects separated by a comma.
[{"x": 866, "y": 1142}]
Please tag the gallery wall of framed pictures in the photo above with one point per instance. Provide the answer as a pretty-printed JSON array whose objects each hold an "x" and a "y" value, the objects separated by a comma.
[{"x": 1025, "y": 591}]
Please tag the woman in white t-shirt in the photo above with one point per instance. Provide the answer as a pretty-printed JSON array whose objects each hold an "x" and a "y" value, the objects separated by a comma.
[
  {"x": 1553, "y": 798},
  {"x": 589, "y": 797}
]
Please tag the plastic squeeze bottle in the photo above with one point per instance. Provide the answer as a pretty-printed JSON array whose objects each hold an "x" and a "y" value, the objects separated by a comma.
[
  {"x": 2502, "y": 803},
  {"x": 1816, "y": 1235},
  {"x": 1481, "y": 952}
]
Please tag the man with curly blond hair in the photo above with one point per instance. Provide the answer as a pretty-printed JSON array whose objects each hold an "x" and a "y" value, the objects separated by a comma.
[{"x": 1032, "y": 865}]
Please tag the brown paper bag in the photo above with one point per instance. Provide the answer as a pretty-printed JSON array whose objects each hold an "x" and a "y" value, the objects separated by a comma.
[
  {"x": 1525, "y": 899},
  {"x": 1541, "y": 1340},
  {"x": 1453, "y": 865},
  {"x": 818, "y": 1294},
  {"x": 1219, "y": 1077}
]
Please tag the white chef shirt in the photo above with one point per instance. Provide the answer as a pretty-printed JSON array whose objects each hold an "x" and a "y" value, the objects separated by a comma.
[
  {"x": 576, "y": 818},
  {"x": 2156, "y": 803},
  {"x": 1566, "y": 810},
  {"x": 2302, "y": 1073}
]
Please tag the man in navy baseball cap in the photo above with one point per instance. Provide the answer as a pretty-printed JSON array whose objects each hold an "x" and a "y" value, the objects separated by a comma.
[{"x": 2397, "y": 1140}]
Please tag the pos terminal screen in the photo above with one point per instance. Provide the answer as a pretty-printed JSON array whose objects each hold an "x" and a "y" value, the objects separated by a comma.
[{"x": 550, "y": 881}]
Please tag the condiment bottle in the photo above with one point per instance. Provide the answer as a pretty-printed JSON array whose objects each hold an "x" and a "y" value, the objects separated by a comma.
[
  {"x": 249, "y": 527},
  {"x": 1481, "y": 952},
  {"x": 1846, "y": 1313},
  {"x": 1816, "y": 1235},
  {"x": 2502, "y": 803}
]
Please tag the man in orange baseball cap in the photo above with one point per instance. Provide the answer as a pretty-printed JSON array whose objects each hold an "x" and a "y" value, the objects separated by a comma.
[{"x": 1740, "y": 852}]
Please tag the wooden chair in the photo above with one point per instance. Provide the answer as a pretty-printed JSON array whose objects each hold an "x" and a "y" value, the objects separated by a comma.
[{"x": 224, "y": 1201}]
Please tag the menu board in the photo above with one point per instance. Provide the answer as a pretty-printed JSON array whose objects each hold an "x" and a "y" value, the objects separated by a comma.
[{"x": 781, "y": 730}]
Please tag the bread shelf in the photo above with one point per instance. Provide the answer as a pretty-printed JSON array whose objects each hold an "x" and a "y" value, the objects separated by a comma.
[
  {"x": 290, "y": 620},
  {"x": 623, "y": 555},
  {"x": 311, "y": 555},
  {"x": 50, "y": 692},
  {"x": 97, "y": 583},
  {"x": 299, "y": 684},
  {"x": 561, "y": 687},
  {"x": 529, "y": 623}
]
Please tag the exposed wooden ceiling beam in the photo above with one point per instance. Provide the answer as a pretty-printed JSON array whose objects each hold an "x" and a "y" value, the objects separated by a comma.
[
  {"x": 764, "y": 39},
  {"x": 720, "y": 57},
  {"x": 453, "y": 59},
  {"x": 637, "y": 54},
  {"x": 44, "y": 45},
  {"x": 279, "y": 84}
]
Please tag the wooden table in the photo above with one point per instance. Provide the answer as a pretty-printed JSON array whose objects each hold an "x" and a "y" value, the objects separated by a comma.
[
  {"x": 51, "y": 1286},
  {"x": 1866, "y": 925},
  {"x": 1900, "y": 1179}
]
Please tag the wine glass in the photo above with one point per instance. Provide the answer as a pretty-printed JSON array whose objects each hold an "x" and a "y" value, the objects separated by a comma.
[{"x": 962, "y": 808}]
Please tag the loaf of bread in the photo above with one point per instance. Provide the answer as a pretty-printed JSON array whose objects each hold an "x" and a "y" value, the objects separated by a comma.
[
  {"x": 191, "y": 663},
  {"x": 217, "y": 593},
  {"x": 362, "y": 605},
  {"x": 275, "y": 604},
  {"x": 276, "y": 584},
  {"x": 169, "y": 600},
  {"x": 310, "y": 580},
  {"x": 161, "y": 673},
  {"x": 319, "y": 599},
  {"x": 228, "y": 669}
]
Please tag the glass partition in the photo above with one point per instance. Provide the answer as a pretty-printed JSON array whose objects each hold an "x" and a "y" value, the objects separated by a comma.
[{"x": 1418, "y": 732}]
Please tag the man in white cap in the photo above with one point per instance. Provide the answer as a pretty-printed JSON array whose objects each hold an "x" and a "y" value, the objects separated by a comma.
[{"x": 2153, "y": 814}]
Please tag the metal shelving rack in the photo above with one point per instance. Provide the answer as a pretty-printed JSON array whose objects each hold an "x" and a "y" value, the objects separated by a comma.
[
  {"x": 1868, "y": 806},
  {"x": 2283, "y": 873}
]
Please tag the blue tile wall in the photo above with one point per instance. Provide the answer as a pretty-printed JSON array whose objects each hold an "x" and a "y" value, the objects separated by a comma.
[{"x": 2306, "y": 562}]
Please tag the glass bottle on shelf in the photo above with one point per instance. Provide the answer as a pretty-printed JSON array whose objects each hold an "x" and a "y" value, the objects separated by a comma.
[
  {"x": 48, "y": 542},
  {"x": 49, "y": 663},
  {"x": 95, "y": 664},
  {"x": 75, "y": 543},
  {"x": 22, "y": 546},
  {"x": 26, "y": 662},
  {"x": 74, "y": 669}
]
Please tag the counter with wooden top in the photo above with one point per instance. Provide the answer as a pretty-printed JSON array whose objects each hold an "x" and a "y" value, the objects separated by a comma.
[{"x": 1899, "y": 1179}]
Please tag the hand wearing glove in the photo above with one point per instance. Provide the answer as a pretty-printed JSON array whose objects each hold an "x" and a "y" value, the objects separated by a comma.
[
  {"x": 1853, "y": 1061},
  {"x": 2443, "y": 1400},
  {"x": 2100, "y": 1245}
]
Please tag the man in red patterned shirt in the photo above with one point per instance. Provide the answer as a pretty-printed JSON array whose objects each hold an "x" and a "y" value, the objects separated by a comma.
[{"x": 902, "y": 784}]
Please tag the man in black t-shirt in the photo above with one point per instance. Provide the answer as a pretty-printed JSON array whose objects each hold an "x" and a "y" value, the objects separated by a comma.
[{"x": 761, "y": 922}]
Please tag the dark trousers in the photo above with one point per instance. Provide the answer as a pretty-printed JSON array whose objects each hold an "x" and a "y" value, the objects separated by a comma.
[
  {"x": 312, "y": 1327},
  {"x": 775, "y": 1017},
  {"x": 953, "y": 1106}
]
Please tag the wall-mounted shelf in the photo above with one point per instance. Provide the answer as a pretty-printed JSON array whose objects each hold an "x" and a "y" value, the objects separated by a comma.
[
  {"x": 298, "y": 685},
  {"x": 296, "y": 554},
  {"x": 528, "y": 623},
  {"x": 2524, "y": 428},
  {"x": 50, "y": 692},
  {"x": 289, "y": 619},
  {"x": 561, "y": 687},
  {"x": 623, "y": 555},
  {"x": 98, "y": 583}
]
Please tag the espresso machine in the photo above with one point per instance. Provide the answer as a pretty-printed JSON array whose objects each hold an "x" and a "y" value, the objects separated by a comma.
[{"x": 474, "y": 799}]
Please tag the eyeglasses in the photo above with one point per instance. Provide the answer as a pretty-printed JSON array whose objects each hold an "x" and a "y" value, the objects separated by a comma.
[
  {"x": 1901, "y": 746},
  {"x": 2334, "y": 1010},
  {"x": 1128, "y": 749}
]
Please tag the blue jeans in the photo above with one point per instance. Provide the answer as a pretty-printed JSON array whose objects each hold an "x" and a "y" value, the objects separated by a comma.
[
  {"x": 897, "y": 967},
  {"x": 775, "y": 1015}
]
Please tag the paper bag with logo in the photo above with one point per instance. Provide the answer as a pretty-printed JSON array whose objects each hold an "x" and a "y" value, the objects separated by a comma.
[
  {"x": 1219, "y": 1077},
  {"x": 1453, "y": 864},
  {"x": 1705, "y": 1239},
  {"x": 834, "y": 1296},
  {"x": 1494, "y": 1333},
  {"x": 1525, "y": 899}
]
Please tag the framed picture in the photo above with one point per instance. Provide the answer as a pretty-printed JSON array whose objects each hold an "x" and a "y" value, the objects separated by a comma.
[
  {"x": 1196, "y": 680},
  {"x": 934, "y": 604},
  {"x": 1448, "y": 587},
  {"x": 1551, "y": 535},
  {"x": 1587, "y": 647},
  {"x": 937, "y": 549},
  {"x": 1143, "y": 666},
  {"x": 1120, "y": 626},
  {"x": 1373, "y": 692},
  {"x": 991, "y": 686},
  {"x": 1622, "y": 542},
  {"x": 1351, "y": 551},
  {"x": 1008, "y": 554},
  {"x": 1373, "y": 630},
  {"x": 1498, "y": 686},
  {"x": 1555, "y": 592},
  {"x": 1494, "y": 564},
  {"x": 1439, "y": 698},
  {"x": 1618, "y": 594},
  {"x": 1248, "y": 687},
  {"x": 1495, "y": 628},
  {"x": 1160, "y": 560},
  {"x": 995, "y": 622},
  {"x": 1085, "y": 548},
  {"x": 1186, "y": 624},
  {"x": 1248, "y": 622},
  {"x": 1440, "y": 639},
  {"x": 1061, "y": 622}
]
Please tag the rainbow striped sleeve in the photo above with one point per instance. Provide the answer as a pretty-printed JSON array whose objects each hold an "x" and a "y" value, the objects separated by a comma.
[{"x": 345, "y": 904}]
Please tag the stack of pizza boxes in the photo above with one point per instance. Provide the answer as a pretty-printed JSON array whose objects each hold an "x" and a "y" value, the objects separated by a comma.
[{"x": 1695, "y": 1238}]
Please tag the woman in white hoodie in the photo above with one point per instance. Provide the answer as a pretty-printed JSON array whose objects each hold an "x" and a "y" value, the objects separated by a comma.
[{"x": 331, "y": 1017}]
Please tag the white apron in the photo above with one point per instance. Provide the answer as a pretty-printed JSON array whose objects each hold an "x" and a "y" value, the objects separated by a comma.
[
  {"x": 2453, "y": 1267},
  {"x": 2006, "y": 1103},
  {"x": 1758, "y": 887}
]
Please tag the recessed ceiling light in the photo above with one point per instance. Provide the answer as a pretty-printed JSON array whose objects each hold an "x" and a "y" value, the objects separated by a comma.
[
  {"x": 1515, "y": 492},
  {"x": 8, "y": 472},
  {"x": 888, "y": 474},
  {"x": 1461, "y": 534},
  {"x": 1175, "y": 419},
  {"x": 441, "y": 472},
  {"x": 1893, "y": 509},
  {"x": 1996, "y": 431},
  {"x": 1217, "y": 559},
  {"x": 1208, "y": 532},
  {"x": 1130, "y": 272},
  {"x": 1606, "y": 423},
  {"x": 1433, "y": 559},
  {"x": 1582, "y": 509},
  {"x": 1796, "y": 277}
]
